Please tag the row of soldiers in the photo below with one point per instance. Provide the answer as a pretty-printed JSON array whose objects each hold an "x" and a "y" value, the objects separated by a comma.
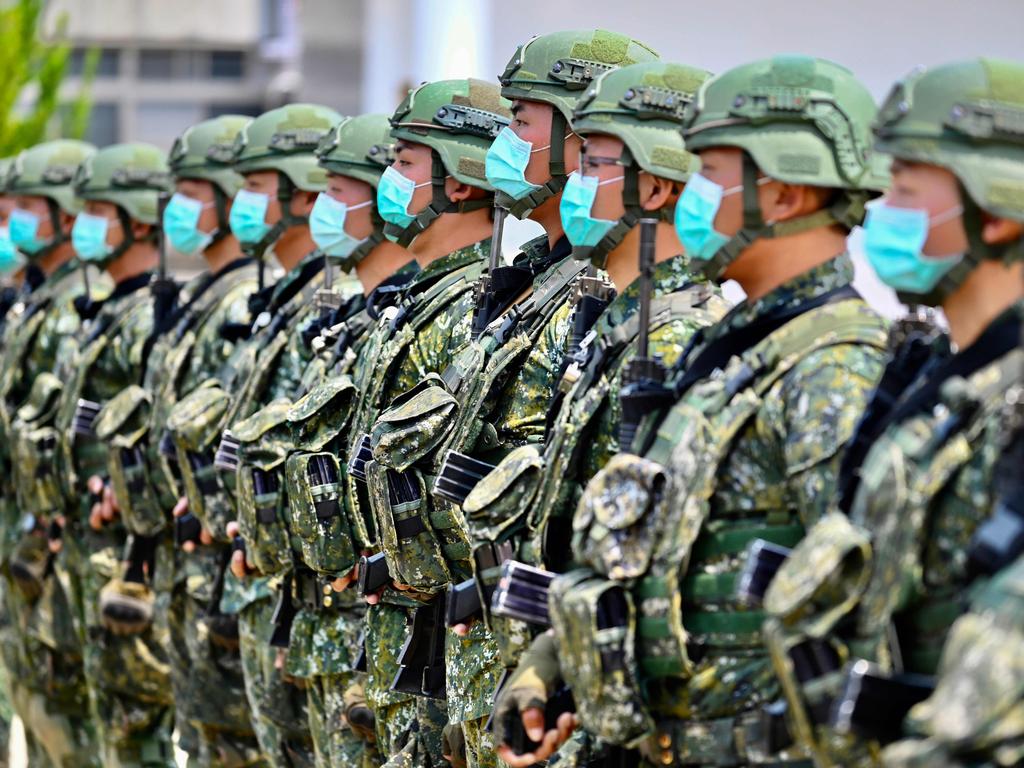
[{"x": 568, "y": 507}]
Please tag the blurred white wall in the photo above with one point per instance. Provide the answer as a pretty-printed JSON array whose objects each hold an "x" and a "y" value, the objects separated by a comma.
[{"x": 408, "y": 41}]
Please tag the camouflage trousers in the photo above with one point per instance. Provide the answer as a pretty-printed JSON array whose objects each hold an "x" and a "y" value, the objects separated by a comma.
[
  {"x": 47, "y": 688},
  {"x": 336, "y": 744},
  {"x": 408, "y": 728},
  {"x": 206, "y": 672},
  {"x": 277, "y": 706},
  {"x": 128, "y": 675}
]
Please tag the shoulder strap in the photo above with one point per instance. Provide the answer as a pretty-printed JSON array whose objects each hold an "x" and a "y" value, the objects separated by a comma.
[{"x": 716, "y": 354}]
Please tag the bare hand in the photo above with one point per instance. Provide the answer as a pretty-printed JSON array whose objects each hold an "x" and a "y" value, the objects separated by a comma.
[{"x": 550, "y": 741}]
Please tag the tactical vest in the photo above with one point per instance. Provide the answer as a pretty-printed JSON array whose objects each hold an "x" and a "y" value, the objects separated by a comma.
[
  {"x": 641, "y": 528},
  {"x": 143, "y": 471},
  {"x": 388, "y": 346},
  {"x": 424, "y": 537},
  {"x": 198, "y": 421}
]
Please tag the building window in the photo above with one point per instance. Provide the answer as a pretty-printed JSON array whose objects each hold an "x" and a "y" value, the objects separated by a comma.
[
  {"x": 104, "y": 124},
  {"x": 218, "y": 108},
  {"x": 161, "y": 122},
  {"x": 227, "y": 64},
  {"x": 108, "y": 65},
  {"x": 156, "y": 64}
]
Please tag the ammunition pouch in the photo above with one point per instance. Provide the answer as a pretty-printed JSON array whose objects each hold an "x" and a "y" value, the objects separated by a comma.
[
  {"x": 458, "y": 476},
  {"x": 498, "y": 505},
  {"x": 414, "y": 546},
  {"x": 764, "y": 559},
  {"x": 123, "y": 425},
  {"x": 373, "y": 573},
  {"x": 265, "y": 441},
  {"x": 329, "y": 541},
  {"x": 36, "y": 446},
  {"x": 195, "y": 425},
  {"x": 415, "y": 423},
  {"x": 522, "y": 593},
  {"x": 595, "y": 625}
]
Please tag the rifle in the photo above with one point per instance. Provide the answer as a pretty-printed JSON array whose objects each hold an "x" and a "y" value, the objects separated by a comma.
[
  {"x": 522, "y": 593},
  {"x": 874, "y": 703},
  {"x": 592, "y": 295},
  {"x": 421, "y": 663},
  {"x": 496, "y": 289},
  {"x": 643, "y": 389},
  {"x": 164, "y": 290},
  {"x": 373, "y": 573}
]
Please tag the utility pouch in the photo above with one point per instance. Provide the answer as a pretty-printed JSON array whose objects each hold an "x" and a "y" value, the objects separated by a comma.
[
  {"x": 498, "y": 504},
  {"x": 317, "y": 512}
]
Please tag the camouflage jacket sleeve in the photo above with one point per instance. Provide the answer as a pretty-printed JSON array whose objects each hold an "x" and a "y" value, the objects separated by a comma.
[
  {"x": 525, "y": 408},
  {"x": 435, "y": 345},
  {"x": 211, "y": 349},
  {"x": 791, "y": 453}
]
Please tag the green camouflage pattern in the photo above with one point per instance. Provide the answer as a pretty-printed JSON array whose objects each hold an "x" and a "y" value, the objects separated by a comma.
[
  {"x": 670, "y": 527},
  {"x": 927, "y": 484},
  {"x": 584, "y": 433},
  {"x": 974, "y": 717}
]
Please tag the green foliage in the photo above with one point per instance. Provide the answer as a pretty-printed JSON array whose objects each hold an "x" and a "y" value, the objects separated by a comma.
[{"x": 33, "y": 70}]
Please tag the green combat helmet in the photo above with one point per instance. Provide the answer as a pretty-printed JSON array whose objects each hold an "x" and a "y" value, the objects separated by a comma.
[
  {"x": 556, "y": 69},
  {"x": 285, "y": 140},
  {"x": 132, "y": 177},
  {"x": 799, "y": 120},
  {"x": 643, "y": 106},
  {"x": 206, "y": 151},
  {"x": 360, "y": 148},
  {"x": 458, "y": 120},
  {"x": 47, "y": 170},
  {"x": 967, "y": 117}
]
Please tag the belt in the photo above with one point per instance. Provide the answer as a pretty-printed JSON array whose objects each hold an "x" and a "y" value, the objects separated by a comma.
[{"x": 727, "y": 741}]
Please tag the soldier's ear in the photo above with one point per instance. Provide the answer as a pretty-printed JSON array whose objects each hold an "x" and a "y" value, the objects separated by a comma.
[
  {"x": 141, "y": 231},
  {"x": 657, "y": 192},
  {"x": 996, "y": 231},
  {"x": 67, "y": 221},
  {"x": 302, "y": 202}
]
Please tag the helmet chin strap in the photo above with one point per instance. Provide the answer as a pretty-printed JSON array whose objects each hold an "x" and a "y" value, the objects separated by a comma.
[
  {"x": 847, "y": 210},
  {"x": 556, "y": 168},
  {"x": 977, "y": 251},
  {"x": 439, "y": 204},
  {"x": 220, "y": 202},
  {"x": 376, "y": 238}
]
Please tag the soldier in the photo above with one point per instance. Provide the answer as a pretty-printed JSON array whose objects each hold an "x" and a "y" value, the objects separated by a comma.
[
  {"x": 647, "y": 630},
  {"x": 42, "y": 655},
  {"x": 325, "y": 634},
  {"x": 117, "y": 231},
  {"x": 275, "y": 156},
  {"x": 11, "y": 260},
  {"x": 211, "y": 717},
  {"x": 435, "y": 199},
  {"x": 505, "y": 375},
  {"x": 925, "y": 517}
]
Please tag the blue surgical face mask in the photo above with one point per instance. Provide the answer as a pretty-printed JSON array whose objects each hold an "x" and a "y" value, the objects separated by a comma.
[
  {"x": 181, "y": 224},
  {"x": 580, "y": 227},
  {"x": 695, "y": 216},
  {"x": 10, "y": 259},
  {"x": 506, "y": 161},
  {"x": 24, "y": 226},
  {"x": 89, "y": 237},
  {"x": 327, "y": 226},
  {"x": 394, "y": 193},
  {"x": 893, "y": 239},
  {"x": 248, "y": 217}
]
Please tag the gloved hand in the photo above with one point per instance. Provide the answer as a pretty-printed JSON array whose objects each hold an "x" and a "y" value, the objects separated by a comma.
[
  {"x": 520, "y": 728},
  {"x": 358, "y": 715}
]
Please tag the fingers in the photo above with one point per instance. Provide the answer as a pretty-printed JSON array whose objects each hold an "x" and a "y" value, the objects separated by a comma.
[
  {"x": 372, "y": 598},
  {"x": 533, "y": 723},
  {"x": 238, "y": 564},
  {"x": 94, "y": 485},
  {"x": 188, "y": 547},
  {"x": 181, "y": 507},
  {"x": 205, "y": 537},
  {"x": 461, "y": 629},
  {"x": 233, "y": 529}
]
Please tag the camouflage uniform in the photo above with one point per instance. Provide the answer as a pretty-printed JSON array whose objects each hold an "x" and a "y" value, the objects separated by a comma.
[
  {"x": 49, "y": 697},
  {"x": 648, "y": 631},
  {"x": 433, "y": 321},
  {"x": 205, "y": 668},
  {"x": 918, "y": 528},
  {"x": 266, "y": 367}
]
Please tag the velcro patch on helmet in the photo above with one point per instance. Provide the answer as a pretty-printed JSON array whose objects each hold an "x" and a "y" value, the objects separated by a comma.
[
  {"x": 670, "y": 157},
  {"x": 794, "y": 163},
  {"x": 470, "y": 167},
  {"x": 1006, "y": 192}
]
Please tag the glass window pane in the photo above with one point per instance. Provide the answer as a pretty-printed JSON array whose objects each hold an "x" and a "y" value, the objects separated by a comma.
[
  {"x": 160, "y": 123},
  {"x": 218, "y": 108},
  {"x": 104, "y": 125},
  {"x": 107, "y": 66},
  {"x": 156, "y": 64},
  {"x": 227, "y": 64}
]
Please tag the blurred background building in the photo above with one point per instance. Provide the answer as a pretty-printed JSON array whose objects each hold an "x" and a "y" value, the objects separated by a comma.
[{"x": 166, "y": 64}]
